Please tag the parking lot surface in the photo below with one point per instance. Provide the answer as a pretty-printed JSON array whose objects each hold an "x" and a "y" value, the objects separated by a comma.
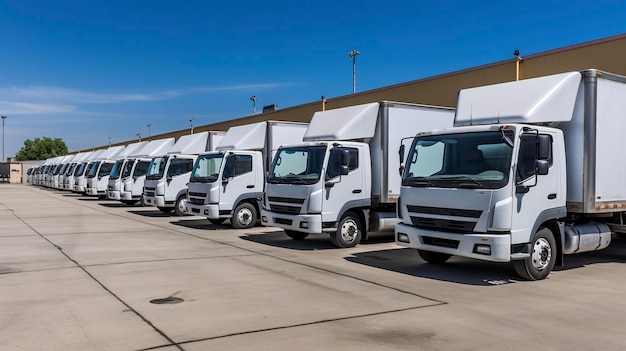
[{"x": 78, "y": 273}]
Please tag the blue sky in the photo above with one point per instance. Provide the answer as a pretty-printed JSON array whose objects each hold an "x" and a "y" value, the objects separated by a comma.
[{"x": 87, "y": 70}]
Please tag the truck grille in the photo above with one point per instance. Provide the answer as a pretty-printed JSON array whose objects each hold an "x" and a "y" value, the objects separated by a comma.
[
  {"x": 443, "y": 224},
  {"x": 149, "y": 191},
  {"x": 288, "y": 200},
  {"x": 197, "y": 198},
  {"x": 456, "y": 212},
  {"x": 285, "y": 209}
]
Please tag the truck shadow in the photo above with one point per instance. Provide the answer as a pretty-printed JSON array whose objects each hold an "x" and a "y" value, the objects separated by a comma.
[
  {"x": 280, "y": 239},
  {"x": 457, "y": 270},
  {"x": 200, "y": 223},
  {"x": 115, "y": 205},
  {"x": 151, "y": 213},
  {"x": 474, "y": 272}
]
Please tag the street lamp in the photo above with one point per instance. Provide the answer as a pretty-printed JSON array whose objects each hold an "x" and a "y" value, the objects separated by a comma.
[
  {"x": 149, "y": 129},
  {"x": 3, "y": 118},
  {"x": 353, "y": 54},
  {"x": 253, "y": 99},
  {"x": 109, "y": 141},
  {"x": 191, "y": 125},
  {"x": 139, "y": 136}
]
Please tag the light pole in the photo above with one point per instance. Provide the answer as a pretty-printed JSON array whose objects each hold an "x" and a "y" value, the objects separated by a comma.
[
  {"x": 191, "y": 125},
  {"x": 3, "y": 118},
  {"x": 353, "y": 54},
  {"x": 139, "y": 136},
  {"x": 149, "y": 129},
  {"x": 109, "y": 141},
  {"x": 253, "y": 99}
]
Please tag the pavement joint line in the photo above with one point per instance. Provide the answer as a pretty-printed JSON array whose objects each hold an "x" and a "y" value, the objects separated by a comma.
[
  {"x": 130, "y": 308},
  {"x": 330, "y": 320}
]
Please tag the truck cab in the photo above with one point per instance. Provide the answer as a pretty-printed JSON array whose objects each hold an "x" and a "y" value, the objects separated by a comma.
[
  {"x": 227, "y": 185},
  {"x": 315, "y": 184}
]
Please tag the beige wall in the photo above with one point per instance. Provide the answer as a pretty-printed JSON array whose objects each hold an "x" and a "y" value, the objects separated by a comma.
[{"x": 606, "y": 54}]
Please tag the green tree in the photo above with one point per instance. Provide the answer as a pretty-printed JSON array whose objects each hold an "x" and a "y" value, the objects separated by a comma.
[{"x": 41, "y": 149}]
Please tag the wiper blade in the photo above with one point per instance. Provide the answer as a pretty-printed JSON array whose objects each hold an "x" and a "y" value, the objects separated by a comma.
[
  {"x": 474, "y": 183},
  {"x": 419, "y": 180},
  {"x": 295, "y": 176}
]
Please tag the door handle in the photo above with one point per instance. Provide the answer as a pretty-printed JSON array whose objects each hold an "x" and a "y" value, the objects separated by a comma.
[
  {"x": 356, "y": 191},
  {"x": 552, "y": 196},
  {"x": 250, "y": 186}
]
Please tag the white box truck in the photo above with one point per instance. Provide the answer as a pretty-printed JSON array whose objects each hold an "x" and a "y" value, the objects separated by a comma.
[
  {"x": 67, "y": 179},
  {"x": 344, "y": 179},
  {"x": 98, "y": 176},
  {"x": 57, "y": 176},
  {"x": 166, "y": 181},
  {"x": 134, "y": 173},
  {"x": 80, "y": 176},
  {"x": 229, "y": 183},
  {"x": 124, "y": 158},
  {"x": 528, "y": 174}
]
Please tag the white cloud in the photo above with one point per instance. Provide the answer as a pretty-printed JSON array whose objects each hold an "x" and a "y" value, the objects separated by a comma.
[
  {"x": 59, "y": 96},
  {"x": 29, "y": 108}
]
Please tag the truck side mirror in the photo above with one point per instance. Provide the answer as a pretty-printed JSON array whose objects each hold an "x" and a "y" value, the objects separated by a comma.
[
  {"x": 345, "y": 158},
  {"x": 542, "y": 167},
  {"x": 345, "y": 162},
  {"x": 543, "y": 147},
  {"x": 401, "y": 153}
]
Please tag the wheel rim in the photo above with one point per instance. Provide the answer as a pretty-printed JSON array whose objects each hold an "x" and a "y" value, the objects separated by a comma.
[
  {"x": 349, "y": 231},
  {"x": 181, "y": 206},
  {"x": 542, "y": 254},
  {"x": 244, "y": 216}
]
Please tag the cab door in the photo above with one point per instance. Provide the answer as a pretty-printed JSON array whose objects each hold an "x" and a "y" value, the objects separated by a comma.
[{"x": 345, "y": 191}]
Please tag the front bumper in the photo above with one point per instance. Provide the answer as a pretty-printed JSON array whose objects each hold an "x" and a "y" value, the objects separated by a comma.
[
  {"x": 464, "y": 245},
  {"x": 158, "y": 201},
  {"x": 113, "y": 195},
  {"x": 311, "y": 224},
  {"x": 211, "y": 211}
]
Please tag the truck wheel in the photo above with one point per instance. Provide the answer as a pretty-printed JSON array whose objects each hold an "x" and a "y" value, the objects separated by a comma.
[
  {"x": 348, "y": 232},
  {"x": 216, "y": 221},
  {"x": 542, "y": 257},
  {"x": 296, "y": 235},
  {"x": 165, "y": 209},
  {"x": 244, "y": 216},
  {"x": 434, "y": 257},
  {"x": 179, "y": 206}
]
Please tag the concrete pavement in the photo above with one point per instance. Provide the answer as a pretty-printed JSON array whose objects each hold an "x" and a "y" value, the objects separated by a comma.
[{"x": 79, "y": 274}]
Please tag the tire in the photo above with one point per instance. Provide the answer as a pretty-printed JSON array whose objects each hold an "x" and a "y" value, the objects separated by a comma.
[
  {"x": 434, "y": 257},
  {"x": 296, "y": 235},
  {"x": 349, "y": 231},
  {"x": 179, "y": 206},
  {"x": 542, "y": 257},
  {"x": 166, "y": 209},
  {"x": 216, "y": 221},
  {"x": 244, "y": 216}
]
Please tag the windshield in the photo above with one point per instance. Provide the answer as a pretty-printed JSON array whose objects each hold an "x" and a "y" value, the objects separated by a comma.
[
  {"x": 207, "y": 168},
  {"x": 127, "y": 168},
  {"x": 468, "y": 160},
  {"x": 105, "y": 169},
  {"x": 93, "y": 169},
  {"x": 156, "y": 169},
  {"x": 80, "y": 169},
  {"x": 70, "y": 169},
  {"x": 117, "y": 166},
  {"x": 297, "y": 165},
  {"x": 141, "y": 169}
]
